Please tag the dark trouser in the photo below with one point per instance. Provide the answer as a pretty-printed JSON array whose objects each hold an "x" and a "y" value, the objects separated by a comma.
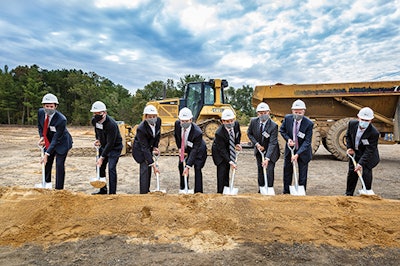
[
  {"x": 145, "y": 178},
  {"x": 288, "y": 173},
  {"x": 112, "y": 161},
  {"x": 60, "y": 169},
  {"x": 198, "y": 178},
  {"x": 270, "y": 172},
  {"x": 352, "y": 178},
  {"x": 222, "y": 176}
]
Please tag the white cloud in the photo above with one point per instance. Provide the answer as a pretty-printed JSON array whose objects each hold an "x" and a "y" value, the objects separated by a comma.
[{"x": 119, "y": 3}]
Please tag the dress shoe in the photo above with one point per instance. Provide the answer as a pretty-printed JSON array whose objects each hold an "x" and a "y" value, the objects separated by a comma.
[{"x": 102, "y": 191}]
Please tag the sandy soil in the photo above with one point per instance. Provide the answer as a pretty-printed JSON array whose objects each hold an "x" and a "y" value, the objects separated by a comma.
[{"x": 72, "y": 227}]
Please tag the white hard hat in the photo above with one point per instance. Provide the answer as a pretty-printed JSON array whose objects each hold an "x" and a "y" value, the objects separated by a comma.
[
  {"x": 262, "y": 107},
  {"x": 227, "y": 114},
  {"x": 366, "y": 113},
  {"x": 298, "y": 104},
  {"x": 185, "y": 114},
  {"x": 98, "y": 107},
  {"x": 150, "y": 110},
  {"x": 50, "y": 98}
]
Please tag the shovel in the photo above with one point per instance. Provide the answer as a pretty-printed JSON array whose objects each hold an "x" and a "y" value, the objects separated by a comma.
[
  {"x": 296, "y": 190},
  {"x": 232, "y": 190},
  {"x": 157, "y": 176},
  {"x": 186, "y": 190},
  {"x": 43, "y": 184},
  {"x": 98, "y": 182},
  {"x": 265, "y": 190},
  {"x": 363, "y": 190}
]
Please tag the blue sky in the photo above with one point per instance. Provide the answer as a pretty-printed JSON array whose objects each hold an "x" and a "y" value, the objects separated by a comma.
[{"x": 248, "y": 42}]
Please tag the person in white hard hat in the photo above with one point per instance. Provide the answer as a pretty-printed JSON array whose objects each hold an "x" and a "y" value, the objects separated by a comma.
[
  {"x": 362, "y": 141},
  {"x": 225, "y": 144},
  {"x": 55, "y": 139},
  {"x": 145, "y": 145},
  {"x": 192, "y": 149},
  {"x": 263, "y": 133},
  {"x": 297, "y": 130},
  {"x": 109, "y": 141}
]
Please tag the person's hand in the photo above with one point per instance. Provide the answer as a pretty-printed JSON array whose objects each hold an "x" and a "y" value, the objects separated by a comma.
[
  {"x": 185, "y": 171},
  {"x": 358, "y": 168},
  {"x": 41, "y": 142},
  {"x": 238, "y": 147},
  {"x": 233, "y": 165},
  {"x": 291, "y": 143},
  {"x": 156, "y": 170},
  {"x": 156, "y": 151},
  {"x": 265, "y": 163},
  {"x": 96, "y": 143},
  {"x": 350, "y": 151},
  {"x": 295, "y": 157},
  {"x": 259, "y": 147},
  {"x": 44, "y": 159},
  {"x": 100, "y": 161}
]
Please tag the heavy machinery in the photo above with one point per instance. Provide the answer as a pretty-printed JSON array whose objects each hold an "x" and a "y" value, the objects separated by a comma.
[
  {"x": 332, "y": 105},
  {"x": 206, "y": 101}
]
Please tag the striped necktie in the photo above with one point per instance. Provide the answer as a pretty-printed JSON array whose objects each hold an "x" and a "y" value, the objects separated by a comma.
[{"x": 232, "y": 152}]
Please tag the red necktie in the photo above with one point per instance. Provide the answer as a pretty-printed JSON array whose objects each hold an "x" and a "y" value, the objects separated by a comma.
[
  {"x": 45, "y": 128},
  {"x": 182, "y": 154}
]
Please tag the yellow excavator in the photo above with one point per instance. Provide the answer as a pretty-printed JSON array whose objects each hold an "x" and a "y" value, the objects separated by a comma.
[{"x": 206, "y": 101}]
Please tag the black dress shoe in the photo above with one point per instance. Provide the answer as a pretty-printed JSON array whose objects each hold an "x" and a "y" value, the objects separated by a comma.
[{"x": 102, "y": 191}]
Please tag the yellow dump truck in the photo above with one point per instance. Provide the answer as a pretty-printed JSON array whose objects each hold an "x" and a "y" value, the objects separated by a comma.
[{"x": 332, "y": 105}]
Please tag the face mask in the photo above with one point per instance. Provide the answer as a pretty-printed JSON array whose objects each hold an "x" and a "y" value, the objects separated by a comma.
[
  {"x": 49, "y": 112},
  {"x": 264, "y": 117},
  {"x": 363, "y": 124},
  {"x": 298, "y": 117},
  {"x": 97, "y": 118},
  {"x": 229, "y": 126},
  {"x": 185, "y": 125},
  {"x": 152, "y": 121}
]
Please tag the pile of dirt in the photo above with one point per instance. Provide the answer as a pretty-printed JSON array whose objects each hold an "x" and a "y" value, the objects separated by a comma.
[{"x": 200, "y": 222}]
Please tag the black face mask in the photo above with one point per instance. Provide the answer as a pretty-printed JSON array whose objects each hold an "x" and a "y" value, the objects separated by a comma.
[{"x": 97, "y": 118}]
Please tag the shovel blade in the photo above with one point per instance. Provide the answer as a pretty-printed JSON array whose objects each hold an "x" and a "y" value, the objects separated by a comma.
[
  {"x": 186, "y": 191},
  {"x": 159, "y": 190},
  {"x": 366, "y": 192},
  {"x": 47, "y": 185},
  {"x": 300, "y": 191},
  {"x": 229, "y": 191},
  {"x": 269, "y": 191},
  {"x": 98, "y": 182}
]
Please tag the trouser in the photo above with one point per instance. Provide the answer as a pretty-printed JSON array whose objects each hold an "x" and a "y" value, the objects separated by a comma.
[
  {"x": 112, "y": 173},
  {"x": 352, "y": 178},
  {"x": 270, "y": 172},
  {"x": 288, "y": 173},
  {"x": 145, "y": 178},
  {"x": 198, "y": 178},
  {"x": 222, "y": 176},
  {"x": 60, "y": 169}
]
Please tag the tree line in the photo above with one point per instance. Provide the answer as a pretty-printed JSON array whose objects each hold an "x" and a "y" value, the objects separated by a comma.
[{"x": 22, "y": 89}]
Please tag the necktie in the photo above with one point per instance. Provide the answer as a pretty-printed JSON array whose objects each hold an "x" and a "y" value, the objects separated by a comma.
[
  {"x": 182, "y": 154},
  {"x": 45, "y": 128},
  {"x": 295, "y": 131},
  {"x": 261, "y": 130},
  {"x": 232, "y": 152}
]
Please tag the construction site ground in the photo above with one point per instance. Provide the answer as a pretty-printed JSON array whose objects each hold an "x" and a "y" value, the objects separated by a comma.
[{"x": 73, "y": 227}]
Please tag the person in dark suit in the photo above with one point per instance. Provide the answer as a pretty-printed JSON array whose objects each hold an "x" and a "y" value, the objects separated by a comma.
[
  {"x": 223, "y": 152},
  {"x": 263, "y": 133},
  {"x": 297, "y": 130},
  {"x": 189, "y": 140},
  {"x": 55, "y": 138},
  {"x": 109, "y": 139},
  {"x": 362, "y": 141},
  {"x": 145, "y": 145}
]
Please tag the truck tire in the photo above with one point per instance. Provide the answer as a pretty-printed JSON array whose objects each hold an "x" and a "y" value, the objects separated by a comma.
[{"x": 336, "y": 139}]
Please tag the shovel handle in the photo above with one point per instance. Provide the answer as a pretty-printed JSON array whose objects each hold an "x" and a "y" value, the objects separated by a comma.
[{"x": 352, "y": 157}]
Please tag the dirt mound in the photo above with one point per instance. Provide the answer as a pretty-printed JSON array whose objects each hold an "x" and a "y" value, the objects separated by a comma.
[{"x": 200, "y": 222}]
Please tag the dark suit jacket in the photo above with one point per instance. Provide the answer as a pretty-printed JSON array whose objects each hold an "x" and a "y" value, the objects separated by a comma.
[
  {"x": 144, "y": 142},
  {"x": 367, "y": 154},
  {"x": 57, "y": 133},
  {"x": 109, "y": 136},
  {"x": 196, "y": 148},
  {"x": 269, "y": 139},
  {"x": 220, "y": 147},
  {"x": 306, "y": 128}
]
